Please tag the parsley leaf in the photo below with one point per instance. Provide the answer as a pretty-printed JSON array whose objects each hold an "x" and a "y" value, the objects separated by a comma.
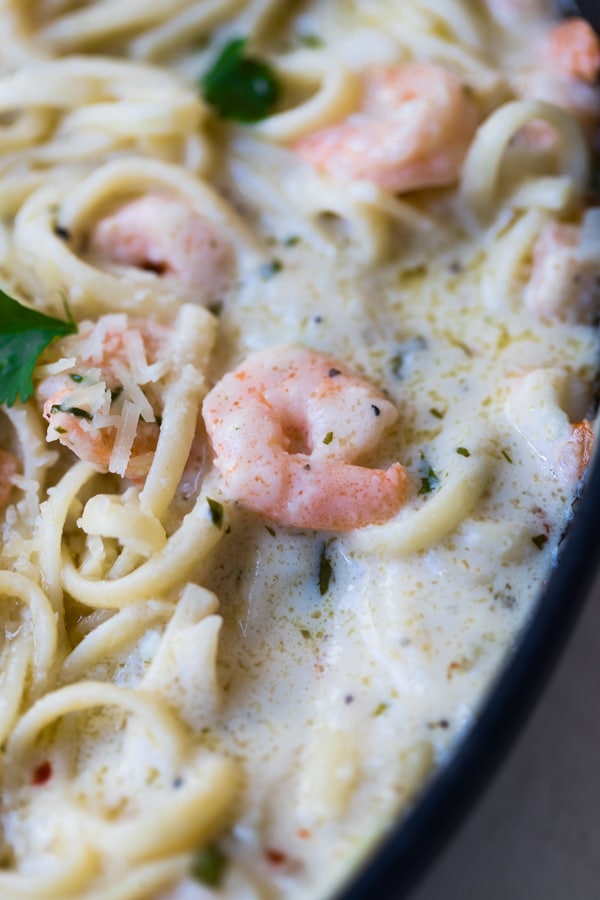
[
  {"x": 24, "y": 333},
  {"x": 241, "y": 87}
]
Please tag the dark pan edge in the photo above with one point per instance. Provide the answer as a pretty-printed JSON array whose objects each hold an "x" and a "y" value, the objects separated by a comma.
[{"x": 404, "y": 855}]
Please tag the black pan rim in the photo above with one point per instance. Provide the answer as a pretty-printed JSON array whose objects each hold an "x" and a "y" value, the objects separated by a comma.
[{"x": 397, "y": 864}]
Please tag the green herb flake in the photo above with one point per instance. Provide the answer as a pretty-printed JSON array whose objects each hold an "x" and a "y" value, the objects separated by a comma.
[
  {"x": 216, "y": 512},
  {"x": 429, "y": 481},
  {"x": 76, "y": 378},
  {"x": 306, "y": 634},
  {"x": 240, "y": 86},
  {"x": 328, "y": 437},
  {"x": 396, "y": 365},
  {"x": 437, "y": 413},
  {"x": 506, "y": 456},
  {"x": 381, "y": 709},
  {"x": 208, "y": 866},
  {"x": 540, "y": 541},
  {"x": 292, "y": 240},
  {"x": 24, "y": 333},
  {"x": 462, "y": 451},
  {"x": 72, "y": 410},
  {"x": 215, "y": 308},
  {"x": 271, "y": 268},
  {"x": 312, "y": 41},
  {"x": 325, "y": 571}
]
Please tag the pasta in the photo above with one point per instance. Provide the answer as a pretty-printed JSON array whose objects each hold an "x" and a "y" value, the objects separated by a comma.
[{"x": 297, "y": 355}]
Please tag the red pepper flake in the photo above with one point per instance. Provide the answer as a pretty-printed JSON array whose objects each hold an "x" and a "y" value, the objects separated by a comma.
[
  {"x": 275, "y": 857},
  {"x": 42, "y": 774}
]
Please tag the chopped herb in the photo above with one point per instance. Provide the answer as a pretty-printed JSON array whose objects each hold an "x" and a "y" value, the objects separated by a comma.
[
  {"x": 313, "y": 41},
  {"x": 381, "y": 709},
  {"x": 60, "y": 430},
  {"x": 216, "y": 512},
  {"x": 292, "y": 240},
  {"x": 506, "y": 456},
  {"x": 73, "y": 410},
  {"x": 270, "y": 268},
  {"x": 540, "y": 541},
  {"x": 208, "y": 866},
  {"x": 328, "y": 437},
  {"x": 429, "y": 481},
  {"x": 216, "y": 308},
  {"x": 375, "y": 409},
  {"x": 396, "y": 364},
  {"x": 437, "y": 413},
  {"x": 270, "y": 530},
  {"x": 462, "y": 451},
  {"x": 406, "y": 348},
  {"x": 76, "y": 378},
  {"x": 24, "y": 333},
  {"x": 239, "y": 86},
  {"x": 325, "y": 571},
  {"x": 306, "y": 634}
]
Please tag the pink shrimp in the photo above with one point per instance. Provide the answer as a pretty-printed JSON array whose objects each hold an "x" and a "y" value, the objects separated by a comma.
[
  {"x": 537, "y": 407},
  {"x": 565, "y": 73},
  {"x": 412, "y": 131},
  {"x": 86, "y": 403},
  {"x": 285, "y": 427},
  {"x": 573, "y": 48},
  {"x": 162, "y": 235},
  {"x": 562, "y": 284},
  {"x": 8, "y": 469}
]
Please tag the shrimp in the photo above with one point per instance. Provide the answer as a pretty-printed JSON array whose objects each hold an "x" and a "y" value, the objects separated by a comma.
[
  {"x": 412, "y": 131},
  {"x": 537, "y": 407},
  {"x": 8, "y": 469},
  {"x": 162, "y": 235},
  {"x": 565, "y": 74},
  {"x": 95, "y": 403},
  {"x": 285, "y": 427},
  {"x": 562, "y": 284},
  {"x": 573, "y": 48}
]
